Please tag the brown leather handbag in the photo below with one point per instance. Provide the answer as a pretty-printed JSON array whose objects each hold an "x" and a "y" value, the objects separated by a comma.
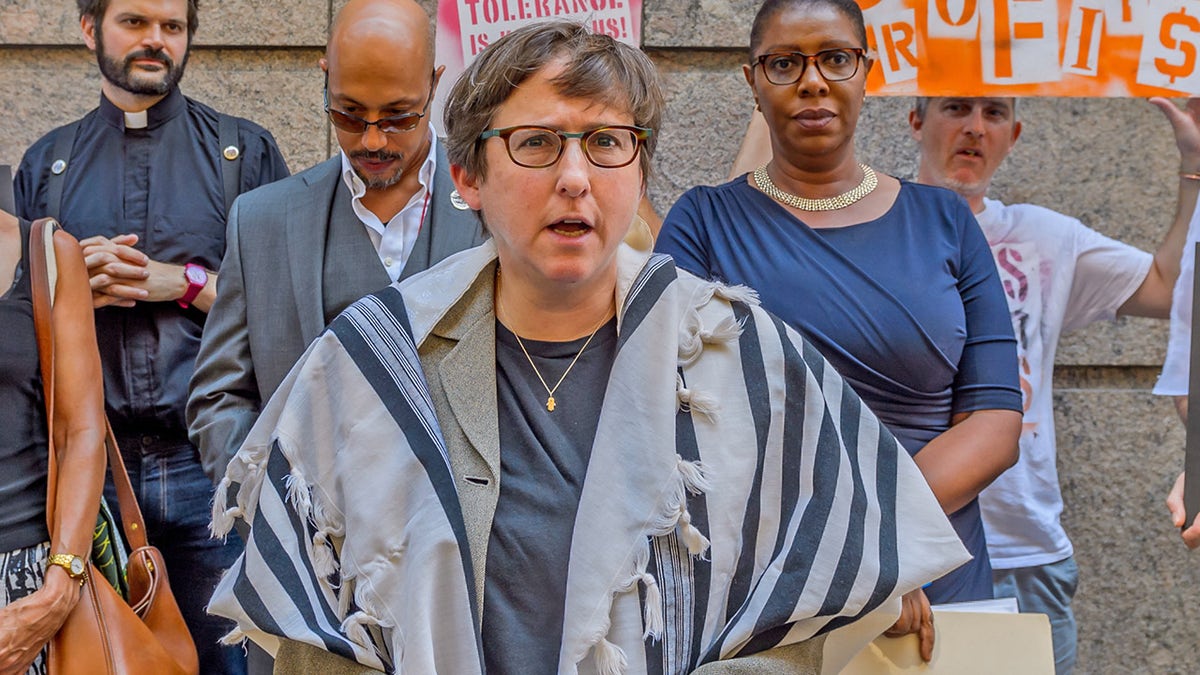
[{"x": 104, "y": 634}]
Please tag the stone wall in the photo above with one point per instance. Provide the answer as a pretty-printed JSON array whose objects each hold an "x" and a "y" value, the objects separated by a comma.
[{"x": 1109, "y": 162}]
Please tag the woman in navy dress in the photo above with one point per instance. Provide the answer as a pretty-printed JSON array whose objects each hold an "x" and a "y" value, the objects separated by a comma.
[{"x": 893, "y": 281}]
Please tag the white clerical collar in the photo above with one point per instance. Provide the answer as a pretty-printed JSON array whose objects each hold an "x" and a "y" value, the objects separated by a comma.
[{"x": 137, "y": 120}]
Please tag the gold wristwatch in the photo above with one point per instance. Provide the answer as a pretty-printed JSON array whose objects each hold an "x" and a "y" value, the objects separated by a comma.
[{"x": 75, "y": 566}]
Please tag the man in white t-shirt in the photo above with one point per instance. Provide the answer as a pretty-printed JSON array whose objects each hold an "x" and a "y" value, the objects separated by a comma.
[{"x": 1058, "y": 275}]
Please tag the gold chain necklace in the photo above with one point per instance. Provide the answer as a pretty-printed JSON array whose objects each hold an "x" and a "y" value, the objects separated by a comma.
[
  {"x": 869, "y": 182},
  {"x": 550, "y": 404}
]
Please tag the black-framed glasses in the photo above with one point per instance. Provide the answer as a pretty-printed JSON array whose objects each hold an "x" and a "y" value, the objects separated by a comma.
[
  {"x": 393, "y": 124},
  {"x": 834, "y": 65},
  {"x": 535, "y": 147}
]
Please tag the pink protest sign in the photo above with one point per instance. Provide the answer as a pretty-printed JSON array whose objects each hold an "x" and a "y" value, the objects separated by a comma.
[{"x": 465, "y": 27}]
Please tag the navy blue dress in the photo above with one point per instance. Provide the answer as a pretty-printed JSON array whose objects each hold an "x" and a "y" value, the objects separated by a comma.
[{"x": 907, "y": 307}]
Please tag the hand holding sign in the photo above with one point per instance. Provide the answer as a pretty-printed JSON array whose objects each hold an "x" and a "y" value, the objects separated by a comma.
[{"x": 1185, "y": 123}]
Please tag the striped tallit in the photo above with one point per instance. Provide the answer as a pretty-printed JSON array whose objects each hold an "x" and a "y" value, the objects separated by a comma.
[{"x": 739, "y": 495}]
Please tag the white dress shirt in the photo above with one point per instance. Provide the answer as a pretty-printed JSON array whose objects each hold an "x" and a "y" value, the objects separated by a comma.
[{"x": 394, "y": 241}]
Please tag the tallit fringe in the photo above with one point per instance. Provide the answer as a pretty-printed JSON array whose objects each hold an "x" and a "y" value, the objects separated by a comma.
[
  {"x": 693, "y": 336},
  {"x": 324, "y": 563},
  {"x": 727, "y": 330},
  {"x": 695, "y": 401},
  {"x": 690, "y": 342},
  {"x": 324, "y": 522},
  {"x": 652, "y": 609},
  {"x": 345, "y": 596},
  {"x": 652, "y": 612},
  {"x": 692, "y": 538},
  {"x": 693, "y": 476},
  {"x": 222, "y": 515},
  {"x": 245, "y": 469},
  {"x": 610, "y": 659},
  {"x": 233, "y": 637},
  {"x": 299, "y": 494},
  {"x": 689, "y": 477},
  {"x": 737, "y": 293},
  {"x": 355, "y": 628}
]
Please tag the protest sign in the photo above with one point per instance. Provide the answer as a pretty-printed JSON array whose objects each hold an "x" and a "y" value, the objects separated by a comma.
[
  {"x": 1034, "y": 47},
  {"x": 465, "y": 27}
]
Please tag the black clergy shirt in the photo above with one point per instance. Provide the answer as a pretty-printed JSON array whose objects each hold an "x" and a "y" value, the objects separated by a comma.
[{"x": 163, "y": 183}]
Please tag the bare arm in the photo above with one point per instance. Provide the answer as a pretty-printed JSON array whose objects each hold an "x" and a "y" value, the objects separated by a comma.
[
  {"x": 968, "y": 456},
  {"x": 27, "y": 624},
  {"x": 79, "y": 408},
  {"x": 958, "y": 465},
  {"x": 1153, "y": 297}
]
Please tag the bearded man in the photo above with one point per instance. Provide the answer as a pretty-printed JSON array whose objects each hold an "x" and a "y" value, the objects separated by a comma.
[{"x": 144, "y": 181}]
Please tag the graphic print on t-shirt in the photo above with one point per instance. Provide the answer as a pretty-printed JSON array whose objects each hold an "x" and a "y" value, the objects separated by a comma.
[{"x": 1023, "y": 279}]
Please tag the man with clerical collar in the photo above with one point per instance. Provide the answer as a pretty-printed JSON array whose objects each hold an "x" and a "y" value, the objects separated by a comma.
[
  {"x": 144, "y": 181},
  {"x": 303, "y": 249}
]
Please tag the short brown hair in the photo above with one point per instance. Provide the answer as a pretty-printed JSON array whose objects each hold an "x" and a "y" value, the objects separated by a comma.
[
  {"x": 595, "y": 67},
  {"x": 97, "y": 8}
]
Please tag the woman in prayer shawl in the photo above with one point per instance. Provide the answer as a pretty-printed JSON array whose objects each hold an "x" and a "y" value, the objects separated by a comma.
[
  {"x": 892, "y": 281},
  {"x": 557, "y": 453}
]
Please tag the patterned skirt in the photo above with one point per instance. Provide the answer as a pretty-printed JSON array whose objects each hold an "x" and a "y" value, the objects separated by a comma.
[{"x": 24, "y": 572}]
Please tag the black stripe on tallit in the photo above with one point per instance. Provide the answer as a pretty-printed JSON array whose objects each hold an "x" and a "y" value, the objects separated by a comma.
[
  {"x": 697, "y": 505},
  {"x": 282, "y": 566},
  {"x": 889, "y": 557},
  {"x": 759, "y": 399},
  {"x": 776, "y": 611},
  {"x": 852, "y": 548},
  {"x": 792, "y": 580},
  {"x": 815, "y": 520},
  {"x": 673, "y": 569},
  {"x": 656, "y": 275},
  {"x": 795, "y": 398},
  {"x": 426, "y": 449}
]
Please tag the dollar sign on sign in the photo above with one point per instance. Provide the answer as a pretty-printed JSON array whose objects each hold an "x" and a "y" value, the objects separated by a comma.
[{"x": 1170, "y": 21}]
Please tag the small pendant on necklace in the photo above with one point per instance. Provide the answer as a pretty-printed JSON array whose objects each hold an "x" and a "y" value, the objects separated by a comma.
[{"x": 550, "y": 404}]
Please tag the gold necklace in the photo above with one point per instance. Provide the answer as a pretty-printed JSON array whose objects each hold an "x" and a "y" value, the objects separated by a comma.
[
  {"x": 869, "y": 182},
  {"x": 550, "y": 404}
]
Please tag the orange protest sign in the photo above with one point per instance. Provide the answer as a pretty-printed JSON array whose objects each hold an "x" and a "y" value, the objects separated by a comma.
[{"x": 1034, "y": 47}]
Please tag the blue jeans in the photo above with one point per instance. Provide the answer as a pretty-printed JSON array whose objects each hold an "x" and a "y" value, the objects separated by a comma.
[
  {"x": 1046, "y": 589},
  {"x": 175, "y": 497}
]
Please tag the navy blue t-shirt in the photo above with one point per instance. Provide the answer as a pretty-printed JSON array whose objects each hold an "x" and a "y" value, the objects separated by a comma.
[{"x": 907, "y": 307}]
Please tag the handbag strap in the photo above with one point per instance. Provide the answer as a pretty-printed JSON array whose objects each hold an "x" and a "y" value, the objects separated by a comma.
[
  {"x": 43, "y": 277},
  {"x": 41, "y": 284}
]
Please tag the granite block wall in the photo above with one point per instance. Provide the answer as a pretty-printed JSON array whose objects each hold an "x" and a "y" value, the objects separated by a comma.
[{"x": 1110, "y": 162}]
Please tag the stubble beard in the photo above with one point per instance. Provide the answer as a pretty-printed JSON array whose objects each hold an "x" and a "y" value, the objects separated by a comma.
[{"x": 376, "y": 182}]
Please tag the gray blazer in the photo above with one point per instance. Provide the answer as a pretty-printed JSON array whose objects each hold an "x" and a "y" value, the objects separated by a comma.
[
  {"x": 270, "y": 295},
  {"x": 459, "y": 361}
]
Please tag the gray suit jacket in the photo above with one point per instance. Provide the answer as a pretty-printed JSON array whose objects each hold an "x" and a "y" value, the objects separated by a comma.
[
  {"x": 459, "y": 361},
  {"x": 270, "y": 305}
]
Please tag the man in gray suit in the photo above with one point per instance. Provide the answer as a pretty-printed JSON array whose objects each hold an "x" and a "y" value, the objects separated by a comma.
[{"x": 302, "y": 249}]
